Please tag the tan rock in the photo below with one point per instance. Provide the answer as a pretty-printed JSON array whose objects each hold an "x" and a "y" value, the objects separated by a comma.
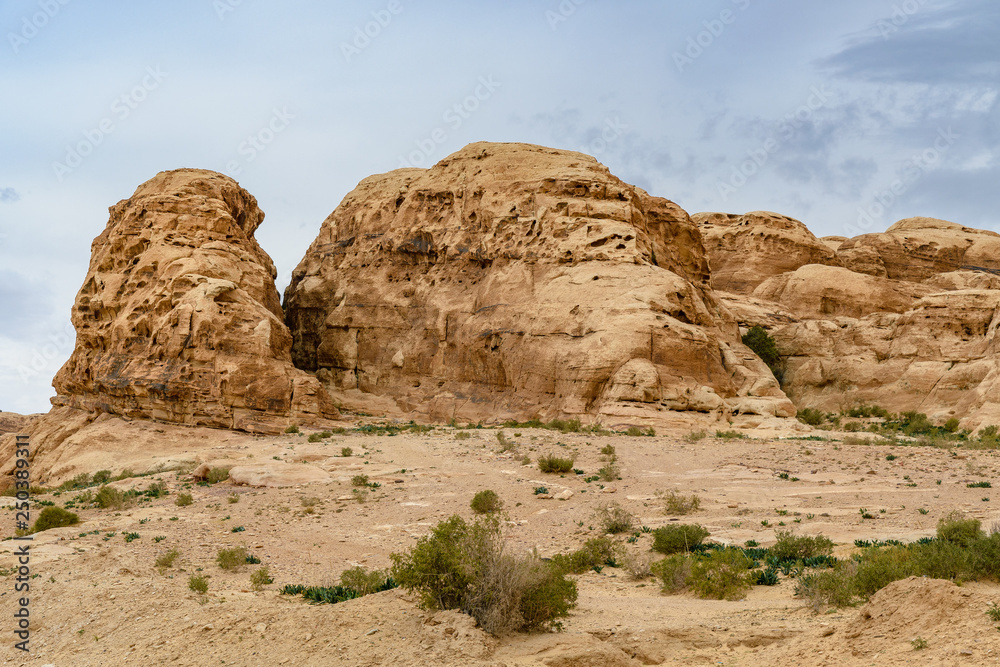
[
  {"x": 179, "y": 320},
  {"x": 278, "y": 474},
  {"x": 745, "y": 250},
  {"x": 917, "y": 248},
  {"x": 829, "y": 292},
  {"x": 516, "y": 281}
]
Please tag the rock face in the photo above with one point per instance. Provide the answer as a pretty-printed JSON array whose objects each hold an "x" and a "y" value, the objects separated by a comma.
[
  {"x": 818, "y": 291},
  {"x": 518, "y": 281},
  {"x": 916, "y": 249},
  {"x": 178, "y": 318},
  {"x": 745, "y": 250}
]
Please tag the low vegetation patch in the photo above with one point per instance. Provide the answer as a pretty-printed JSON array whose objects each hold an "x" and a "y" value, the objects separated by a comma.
[
  {"x": 486, "y": 502},
  {"x": 554, "y": 464},
  {"x": 595, "y": 554},
  {"x": 231, "y": 559},
  {"x": 614, "y": 519},
  {"x": 54, "y": 517},
  {"x": 678, "y": 538},
  {"x": 467, "y": 567},
  {"x": 676, "y": 504}
]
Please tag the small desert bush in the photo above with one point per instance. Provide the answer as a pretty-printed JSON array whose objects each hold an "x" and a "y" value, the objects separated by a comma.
[
  {"x": 676, "y": 504},
  {"x": 467, "y": 567},
  {"x": 811, "y": 416},
  {"x": 156, "y": 489},
  {"x": 678, "y": 538},
  {"x": 231, "y": 559},
  {"x": 359, "y": 480},
  {"x": 486, "y": 502},
  {"x": 260, "y": 578},
  {"x": 54, "y": 517},
  {"x": 958, "y": 529},
  {"x": 595, "y": 554},
  {"x": 638, "y": 565},
  {"x": 724, "y": 574},
  {"x": 799, "y": 547},
  {"x": 198, "y": 584},
  {"x": 109, "y": 497},
  {"x": 505, "y": 444},
  {"x": 695, "y": 436},
  {"x": 102, "y": 477},
  {"x": 730, "y": 435},
  {"x": 167, "y": 559},
  {"x": 614, "y": 519},
  {"x": 292, "y": 429},
  {"x": 363, "y": 581},
  {"x": 233, "y": 498},
  {"x": 609, "y": 472},
  {"x": 763, "y": 345},
  {"x": 216, "y": 475},
  {"x": 346, "y": 452},
  {"x": 463, "y": 435},
  {"x": 673, "y": 572},
  {"x": 183, "y": 499},
  {"x": 554, "y": 464}
]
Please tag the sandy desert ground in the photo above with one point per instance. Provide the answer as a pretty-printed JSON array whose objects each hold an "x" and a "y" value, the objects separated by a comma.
[{"x": 100, "y": 600}]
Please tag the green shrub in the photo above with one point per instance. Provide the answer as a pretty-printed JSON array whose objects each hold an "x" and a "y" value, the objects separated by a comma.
[
  {"x": 811, "y": 416},
  {"x": 466, "y": 566},
  {"x": 109, "y": 497},
  {"x": 564, "y": 425},
  {"x": 554, "y": 464},
  {"x": 758, "y": 340},
  {"x": 505, "y": 444},
  {"x": 799, "y": 547},
  {"x": 363, "y": 581},
  {"x": 951, "y": 425},
  {"x": 216, "y": 475},
  {"x": 260, "y": 578},
  {"x": 198, "y": 584},
  {"x": 730, "y": 435},
  {"x": 346, "y": 452},
  {"x": 915, "y": 423},
  {"x": 183, "y": 499},
  {"x": 292, "y": 429},
  {"x": 614, "y": 519},
  {"x": 231, "y": 559},
  {"x": 102, "y": 477},
  {"x": 722, "y": 575},
  {"x": 485, "y": 502},
  {"x": 676, "y": 504},
  {"x": 54, "y": 517},
  {"x": 167, "y": 559},
  {"x": 695, "y": 436},
  {"x": 359, "y": 480},
  {"x": 834, "y": 586},
  {"x": 609, "y": 472},
  {"x": 956, "y": 528},
  {"x": 595, "y": 554},
  {"x": 673, "y": 572},
  {"x": 677, "y": 538},
  {"x": 463, "y": 435}
]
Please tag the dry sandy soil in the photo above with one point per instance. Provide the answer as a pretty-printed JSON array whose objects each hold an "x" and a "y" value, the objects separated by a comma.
[{"x": 99, "y": 600}]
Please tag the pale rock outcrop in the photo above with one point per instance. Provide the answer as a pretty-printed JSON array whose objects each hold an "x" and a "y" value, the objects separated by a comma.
[
  {"x": 817, "y": 291},
  {"x": 915, "y": 249},
  {"x": 514, "y": 281},
  {"x": 745, "y": 250},
  {"x": 178, "y": 319}
]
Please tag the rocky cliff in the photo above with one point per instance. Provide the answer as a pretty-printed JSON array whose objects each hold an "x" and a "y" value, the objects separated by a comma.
[
  {"x": 515, "y": 281},
  {"x": 179, "y": 320}
]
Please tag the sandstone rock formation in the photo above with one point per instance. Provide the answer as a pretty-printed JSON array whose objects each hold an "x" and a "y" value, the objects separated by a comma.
[
  {"x": 818, "y": 291},
  {"x": 178, "y": 318},
  {"x": 745, "y": 250},
  {"x": 518, "y": 281},
  {"x": 918, "y": 248}
]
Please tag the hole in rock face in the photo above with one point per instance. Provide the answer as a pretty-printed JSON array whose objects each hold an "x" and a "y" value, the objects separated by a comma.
[
  {"x": 621, "y": 246},
  {"x": 597, "y": 278}
]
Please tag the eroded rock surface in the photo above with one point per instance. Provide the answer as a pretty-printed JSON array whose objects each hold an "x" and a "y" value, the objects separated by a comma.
[
  {"x": 178, "y": 318},
  {"x": 517, "y": 281},
  {"x": 745, "y": 250}
]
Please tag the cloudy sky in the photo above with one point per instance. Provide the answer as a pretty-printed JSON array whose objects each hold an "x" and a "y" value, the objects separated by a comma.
[{"x": 815, "y": 110}]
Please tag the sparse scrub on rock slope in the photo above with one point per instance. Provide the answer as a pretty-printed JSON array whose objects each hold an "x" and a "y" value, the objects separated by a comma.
[{"x": 465, "y": 566}]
